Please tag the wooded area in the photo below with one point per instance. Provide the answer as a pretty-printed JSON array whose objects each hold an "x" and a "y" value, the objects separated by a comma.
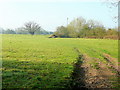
[{"x": 81, "y": 28}]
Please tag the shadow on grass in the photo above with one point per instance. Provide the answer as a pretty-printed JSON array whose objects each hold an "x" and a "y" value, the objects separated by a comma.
[
  {"x": 78, "y": 75},
  {"x": 33, "y": 75}
]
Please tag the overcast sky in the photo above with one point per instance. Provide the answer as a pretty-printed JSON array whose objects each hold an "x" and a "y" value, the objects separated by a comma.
[{"x": 52, "y": 13}]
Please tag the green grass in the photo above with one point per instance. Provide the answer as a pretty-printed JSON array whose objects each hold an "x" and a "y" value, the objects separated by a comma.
[{"x": 40, "y": 62}]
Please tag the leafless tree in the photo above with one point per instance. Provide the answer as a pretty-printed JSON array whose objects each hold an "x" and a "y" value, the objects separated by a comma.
[
  {"x": 113, "y": 4},
  {"x": 31, "y": 27}
]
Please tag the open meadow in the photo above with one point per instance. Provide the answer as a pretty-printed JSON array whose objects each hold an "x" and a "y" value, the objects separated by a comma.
[{"x": 36, "y": 61}]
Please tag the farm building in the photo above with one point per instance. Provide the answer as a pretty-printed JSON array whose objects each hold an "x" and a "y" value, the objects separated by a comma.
[{"x": 53, "y": 36}]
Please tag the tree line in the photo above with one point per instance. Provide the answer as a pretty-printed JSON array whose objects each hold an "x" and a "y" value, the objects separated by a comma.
[
  {"x": 77, "y": 28},
  {"x": 81, "y": 28},
  {"x": 28, "y": 28}
]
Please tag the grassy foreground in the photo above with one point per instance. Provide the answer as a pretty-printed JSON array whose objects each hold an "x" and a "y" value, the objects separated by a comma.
[{"x": 40, "y": 62}]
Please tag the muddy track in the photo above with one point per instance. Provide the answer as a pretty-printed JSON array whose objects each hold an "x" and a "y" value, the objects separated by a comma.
[
  {"x": 92, "y": 73},
  {"x": 112, "y": 63}
]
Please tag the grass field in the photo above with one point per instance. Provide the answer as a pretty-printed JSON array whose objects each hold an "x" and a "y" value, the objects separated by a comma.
[{"x": 41, "y": 62}]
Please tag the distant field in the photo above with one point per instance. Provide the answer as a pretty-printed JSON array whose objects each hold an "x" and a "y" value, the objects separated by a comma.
[{"x": 41, "y": 62}]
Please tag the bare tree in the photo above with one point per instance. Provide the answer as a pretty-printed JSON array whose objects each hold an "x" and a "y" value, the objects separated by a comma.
[
  {"x": 113, "y": 5},
  {"x": 31, "y": 27}
]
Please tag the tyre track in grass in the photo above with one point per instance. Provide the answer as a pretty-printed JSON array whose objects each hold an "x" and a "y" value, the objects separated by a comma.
[
  {"x": 113, "y": 64},
  {"x": 91, "y": 73},
  {"x": 77, "y": 77}
]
